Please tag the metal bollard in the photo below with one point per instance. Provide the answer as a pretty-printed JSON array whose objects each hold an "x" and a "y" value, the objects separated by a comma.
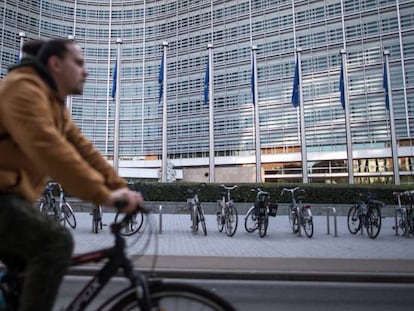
[
  {"x": 160, "y": 219},
  {"x": 333, "y": 209}
]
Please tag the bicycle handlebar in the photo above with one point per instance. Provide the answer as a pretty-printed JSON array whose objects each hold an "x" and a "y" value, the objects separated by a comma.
[{"x": 228, "y": 188}]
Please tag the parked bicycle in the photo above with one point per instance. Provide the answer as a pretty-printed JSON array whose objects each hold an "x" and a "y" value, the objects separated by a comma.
[
  {"x": 227, "y": 215},
  {"x": 404, "y": 214},
  {"x": 299, "y": 214},
  {"x": 366, "y": 212},
  {"x": 141, "y": 293},
  {"x": 257, "y": 217},
  {"x": 97, "y": 215},
  {"x": 133, "y": 225},
  {"x": 61, "y": 210},
  {"x": 196, "y": 209}
]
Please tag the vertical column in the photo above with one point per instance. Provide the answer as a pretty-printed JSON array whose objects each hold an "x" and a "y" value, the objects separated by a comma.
[{"x": 302, "y": 121}]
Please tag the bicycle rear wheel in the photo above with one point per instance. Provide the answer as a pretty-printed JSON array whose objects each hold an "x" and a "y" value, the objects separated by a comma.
[
  {"x": 177, "y": 297},
  {"x": 401, "y": 221},
  {"x": 69, "y": 215},
  {"x": 308, "y": 224},
  {"x": 231, "y": 220},
  {"x": 263, "y": 224},
  {"x": 134, "y": 225},
  {"x": 374, "y": 221},
  {"x": 354, "y": 221},
  {"x": 250, "y": 221}
]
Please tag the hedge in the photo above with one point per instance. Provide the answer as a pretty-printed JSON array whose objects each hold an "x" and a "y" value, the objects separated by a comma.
[{"x": 313, "y": 193}]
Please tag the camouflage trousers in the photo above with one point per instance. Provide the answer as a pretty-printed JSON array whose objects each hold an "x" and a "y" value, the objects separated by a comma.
[{"x": 36, "y": 246}]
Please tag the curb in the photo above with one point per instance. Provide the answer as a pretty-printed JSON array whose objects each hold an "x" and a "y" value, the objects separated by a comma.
[{"x": 261, "y": 275}]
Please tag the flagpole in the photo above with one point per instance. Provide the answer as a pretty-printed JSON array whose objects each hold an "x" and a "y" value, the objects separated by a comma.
[
  {"x": 211, "y": 114},
  {"x": 302, "y": 120},
  {"x": 164, "y": 113},
  {"x": 256, "y": 117},
  {"x": 69, "y": 97},
  {"x": 117, "y": 103},
  {"x": 344, "y": 71},
  {"x": 388, "y": 94},
  {"x": 22, "y": 35}
]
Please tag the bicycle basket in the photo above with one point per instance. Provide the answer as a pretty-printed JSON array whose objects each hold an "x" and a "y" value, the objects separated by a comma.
[{"x": 273, "y": 209}]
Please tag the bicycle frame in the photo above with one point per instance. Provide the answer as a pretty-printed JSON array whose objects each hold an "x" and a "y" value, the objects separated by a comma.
[{"x": 117, "y": 259}]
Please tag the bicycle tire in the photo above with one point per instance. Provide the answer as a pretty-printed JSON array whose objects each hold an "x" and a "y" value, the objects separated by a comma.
[
  {"x": 374, "y": 221},
  {"x": 308, "y": 225},
  {"x": 290, "y": 214},
  {"x": 133, "y": 226},
  {"x": 353, "y": 220},
  {"x": 250, "y": 221},
  {"x": 176, "y": 296},
  {"x": 401, "y": 221},
  {"x": 202, "y": 219},
  {"x": 263, "y": 224},
  {"x": 295, "y": 222},
  {"x": 69, "y": 215},
  {"x": 42, "y": 208},
  {"x": 194, "y": 219},
  {"x": 231, "y": 220}
]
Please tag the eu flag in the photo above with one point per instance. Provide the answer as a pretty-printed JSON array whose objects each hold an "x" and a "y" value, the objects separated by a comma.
[
  {"x": 206, "y": 82},
  {"x": 385, "y": 86},
  {"x": 161, "y": 79},
  {"x": 295, "y": 92},
  {"x": 114, "y": 77},
  {"x": 342, "y": 86}
]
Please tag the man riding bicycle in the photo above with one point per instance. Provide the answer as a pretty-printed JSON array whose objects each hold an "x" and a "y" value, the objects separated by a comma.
[{"x": 38, "y": 141}]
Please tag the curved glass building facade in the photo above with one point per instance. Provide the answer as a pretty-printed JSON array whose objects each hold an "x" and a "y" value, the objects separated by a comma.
[{"x": 363, "y": 28}]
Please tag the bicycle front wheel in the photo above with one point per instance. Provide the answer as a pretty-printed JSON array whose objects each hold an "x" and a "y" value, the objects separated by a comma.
[
  {"x": 250, "y": 221},
  {"x": 231, "y": 220},
  {"x": 177, "y": 297},
  {"x": 401, "y": 221},
  {"x": 374, "y": 221},
  {"x": 69, "y": 215},
  {"x": 354, "y": 221},
  {"x": 202, "y": 219}
]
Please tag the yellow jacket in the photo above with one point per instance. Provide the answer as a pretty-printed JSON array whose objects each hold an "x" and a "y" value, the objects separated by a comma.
[{"x": 39, "y": 141}]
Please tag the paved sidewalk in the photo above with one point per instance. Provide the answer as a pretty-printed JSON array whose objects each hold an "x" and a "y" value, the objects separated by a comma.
[{"x": 279, "y": 255}]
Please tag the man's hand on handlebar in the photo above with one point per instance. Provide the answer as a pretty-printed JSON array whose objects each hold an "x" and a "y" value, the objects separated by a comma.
[{"x": 131, "y": 200}]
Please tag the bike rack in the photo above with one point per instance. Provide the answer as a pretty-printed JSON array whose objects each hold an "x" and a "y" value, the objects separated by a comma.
[
  {"x": 402, "y": 210},
  {"x": 160, "y": 218},
  {"x": 328, "y": 231}
]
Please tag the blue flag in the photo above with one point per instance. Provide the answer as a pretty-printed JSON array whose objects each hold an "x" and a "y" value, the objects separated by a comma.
[
  {"x": 206, "y": 82},
  {"x": 161, "y": 79},
  {"x": 114, "y": 78},
  {"x": 252, "y": 84},
  {"x": 385, "y": 86},
  {"x": 295, "y": 92},
  {"x": 342, "y": 86}
]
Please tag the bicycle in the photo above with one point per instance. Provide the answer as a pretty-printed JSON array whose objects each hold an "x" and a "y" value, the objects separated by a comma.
[
  {"x": 257, "y": 217},
  {"x": 134, "y": 224},
  {"x": 196, "y": 209},
  {"x": 143, "y": 293},
  {"x": 300, "y": 215},
  {"x": 366, "y": 212},
  {"x": 97, "y": 215},
  {"x": 62, "y": 211},
  {"x": 404, "y": 215},
  {"x": 227, "y": 214}
]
